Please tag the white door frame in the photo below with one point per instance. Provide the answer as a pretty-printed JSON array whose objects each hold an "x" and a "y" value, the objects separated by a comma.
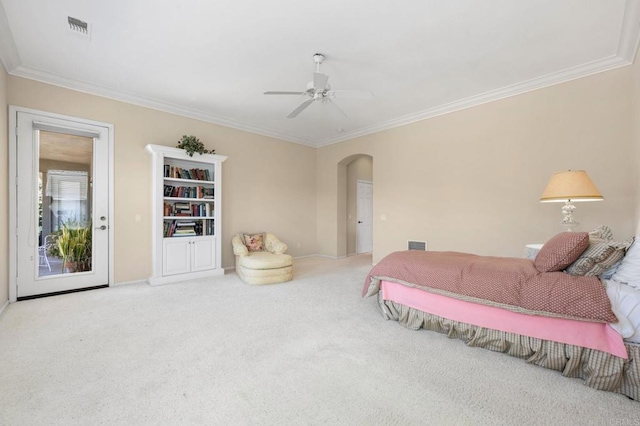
[
  {"x": 13, "y": 214},
  {"x": 358, "y": 215}
]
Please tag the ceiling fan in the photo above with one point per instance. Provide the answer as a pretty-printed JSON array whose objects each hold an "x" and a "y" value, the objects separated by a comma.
[{"x": 319, "y": 90}]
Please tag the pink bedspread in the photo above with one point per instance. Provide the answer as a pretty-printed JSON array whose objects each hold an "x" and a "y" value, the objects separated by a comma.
[
  {"x": 509, "y": 283},
  {"x": 593, "y": 335}
]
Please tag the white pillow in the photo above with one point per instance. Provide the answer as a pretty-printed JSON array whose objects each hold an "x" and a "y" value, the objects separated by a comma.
[
  {"x": 625, "y": 303},
  {"x": 629, "y": 270}
]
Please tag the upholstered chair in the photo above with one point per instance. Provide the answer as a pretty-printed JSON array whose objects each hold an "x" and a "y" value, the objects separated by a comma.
[{"x": 269, "y": 265}]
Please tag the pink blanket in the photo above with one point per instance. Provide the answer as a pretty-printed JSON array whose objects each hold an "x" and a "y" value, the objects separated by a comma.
[
  {"x": 593, "y": 335},
  {"x": 509, "y": 283}
]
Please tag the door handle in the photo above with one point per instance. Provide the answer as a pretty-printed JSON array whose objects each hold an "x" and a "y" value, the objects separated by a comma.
[
  {"x": 102, "y": 228},
  {"x": 360, "y": 221}
]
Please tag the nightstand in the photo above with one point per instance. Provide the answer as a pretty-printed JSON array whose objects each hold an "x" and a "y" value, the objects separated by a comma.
[{"x": 531, "y": 250}]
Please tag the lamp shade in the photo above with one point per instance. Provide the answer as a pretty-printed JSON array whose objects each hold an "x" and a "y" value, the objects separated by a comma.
[{"x": 572, "y": 185}]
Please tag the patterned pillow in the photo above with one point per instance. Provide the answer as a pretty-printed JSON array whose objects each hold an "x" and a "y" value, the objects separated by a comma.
[
  {"x": 254, "y": 242},
  {"x": 561, "y": 251},
  {"x": 602, "y": 254},
  {"x": 602, "y": 232},
  {"x": 629, "y": 270}
]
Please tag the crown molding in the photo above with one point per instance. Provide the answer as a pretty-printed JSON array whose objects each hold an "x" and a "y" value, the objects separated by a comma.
[
  {"x": 630, "y": 31},
  {"x": 627, "y": 47},
  {"x": 8, "y": 51},
  {"x": 106, "y": 92},
  {"x": 483, "y": 98}
]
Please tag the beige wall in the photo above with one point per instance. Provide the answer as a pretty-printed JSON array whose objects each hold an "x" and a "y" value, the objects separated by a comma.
[
  {"x": 359, "y": 169},
  {"x": 268, "y": 184},
  {"x": 4, "y": 190},
  {"x": 635, "y": 129},
  {"x": 470, "y": 180},
  {"x": 466, "y": 181}
]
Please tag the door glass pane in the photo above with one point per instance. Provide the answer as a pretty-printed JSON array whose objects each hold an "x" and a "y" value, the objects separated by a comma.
[{"x": 64, "y": 204}]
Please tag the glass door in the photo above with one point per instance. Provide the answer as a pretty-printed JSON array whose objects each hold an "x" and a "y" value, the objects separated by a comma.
[{"x": 62, "y": 205}]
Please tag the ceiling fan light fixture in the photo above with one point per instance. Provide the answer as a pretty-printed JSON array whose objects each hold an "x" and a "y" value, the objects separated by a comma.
[{"x": 319, "y": 90}]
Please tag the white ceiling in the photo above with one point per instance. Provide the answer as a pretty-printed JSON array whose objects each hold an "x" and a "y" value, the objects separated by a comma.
[{"x": 212, "y": 60}]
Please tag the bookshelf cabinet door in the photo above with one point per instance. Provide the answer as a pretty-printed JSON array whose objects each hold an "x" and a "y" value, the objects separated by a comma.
[
  {"x": 176, "y": 259},
  {"x": 203, "y": 254}
]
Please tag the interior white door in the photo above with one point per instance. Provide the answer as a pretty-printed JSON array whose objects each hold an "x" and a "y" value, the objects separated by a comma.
[
  {"x": 364, "y": 228},
  {"x": 62, "y": 204}
]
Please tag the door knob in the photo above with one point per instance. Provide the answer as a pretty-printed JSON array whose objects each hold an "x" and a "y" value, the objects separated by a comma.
[
  {"x": 103, "y": 227},
  {"x": 360, "y": 221}
]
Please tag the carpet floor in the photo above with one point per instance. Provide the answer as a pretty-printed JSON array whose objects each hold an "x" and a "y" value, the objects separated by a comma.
[{"x": 307, "y": 352}]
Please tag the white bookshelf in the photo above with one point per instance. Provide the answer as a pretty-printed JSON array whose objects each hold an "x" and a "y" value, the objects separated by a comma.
[{"x": 186, "y": 200}]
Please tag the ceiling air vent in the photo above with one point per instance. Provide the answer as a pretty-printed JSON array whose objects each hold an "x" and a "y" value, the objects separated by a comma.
[
  {"x": 78, "y": 27},
  {"x": 417, "y": 245}
]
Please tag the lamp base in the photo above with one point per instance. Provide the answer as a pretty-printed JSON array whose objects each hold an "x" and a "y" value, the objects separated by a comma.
[{"x": 567, "y": 220}]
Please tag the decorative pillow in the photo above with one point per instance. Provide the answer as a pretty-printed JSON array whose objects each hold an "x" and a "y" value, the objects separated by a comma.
[
  {"x": 602, "y": 232},
  {"x": 603, "y": 253},
  {"x": 254, "y": 242},
  {"x": 608, "y": 274},
  {"x": 629, "y": 270},
  {"x": 561, "y": 251}
]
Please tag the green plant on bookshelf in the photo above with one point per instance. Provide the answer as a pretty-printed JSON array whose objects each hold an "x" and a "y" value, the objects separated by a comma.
[{"x": 191, "y": 144}]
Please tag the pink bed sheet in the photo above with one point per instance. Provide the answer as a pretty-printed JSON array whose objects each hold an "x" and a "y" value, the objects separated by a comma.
[{"x": 591, "y": 335}]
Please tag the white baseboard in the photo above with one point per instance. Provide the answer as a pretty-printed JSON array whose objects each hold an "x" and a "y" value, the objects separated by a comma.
[
  {"x": 169, "y": 279},
  {"x": 315, "y": 255},
  {"x": 130, "y": 282},
  {"x": 3, "y": 307},
  {"x": 329, "y": 257},
  {"x": 326, "y": 256}
]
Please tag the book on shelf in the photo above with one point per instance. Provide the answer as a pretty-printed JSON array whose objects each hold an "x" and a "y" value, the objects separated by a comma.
[
  {"x": 181, "y": 209},
  {"x": 180, "y": 228},
  {"x": 183, "y": 224},
  {"x": 175, "y": 172},
  {"x": 169, "y": 229},
  {"x": 188, "y": 191},
  {"x": 185, "y": 234}
]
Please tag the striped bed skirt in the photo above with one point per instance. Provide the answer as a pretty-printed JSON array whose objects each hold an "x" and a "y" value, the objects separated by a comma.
[{"x": 599, "y": 370}]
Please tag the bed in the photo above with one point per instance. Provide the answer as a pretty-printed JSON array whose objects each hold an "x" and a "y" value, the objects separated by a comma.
[{"x": 566, "y": 310}]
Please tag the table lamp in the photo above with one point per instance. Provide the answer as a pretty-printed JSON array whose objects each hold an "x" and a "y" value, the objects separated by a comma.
[{"x": 568, "y": 187}]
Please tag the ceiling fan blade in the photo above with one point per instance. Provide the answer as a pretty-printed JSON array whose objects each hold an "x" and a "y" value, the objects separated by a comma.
[
  {"x": 284, "y": 93},
  {"x": 350, "y": 94},
  {"x": 300, "y": 108},
  {"x": 320, "y": 81},
  {"x": 337, "y": 108}
]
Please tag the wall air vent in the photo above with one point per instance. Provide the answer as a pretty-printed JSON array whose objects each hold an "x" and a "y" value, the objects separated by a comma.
[
  {"x": 78, "y": 27},
  {"x": 417, "y": 245}
]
